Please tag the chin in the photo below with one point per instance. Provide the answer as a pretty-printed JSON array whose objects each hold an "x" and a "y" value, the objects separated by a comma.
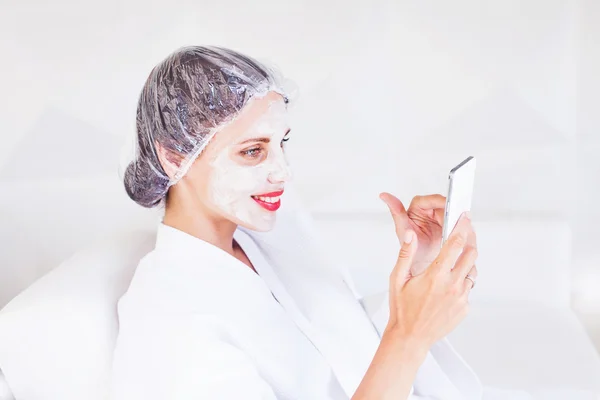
[{"x": 258, "y": 226}]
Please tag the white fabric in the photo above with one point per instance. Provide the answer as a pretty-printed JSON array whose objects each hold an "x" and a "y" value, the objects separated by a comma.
[
  {"x": 198, "y": 323},
  {"x": 57, "y": 336},
  {"x": 5, "y": 392}
]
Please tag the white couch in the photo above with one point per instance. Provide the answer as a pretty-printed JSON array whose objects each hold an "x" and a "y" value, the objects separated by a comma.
[{"x": 56, "y": 337}]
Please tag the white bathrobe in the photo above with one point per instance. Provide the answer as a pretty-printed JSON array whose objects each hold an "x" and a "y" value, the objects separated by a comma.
[{"x": 197, "y": 323}]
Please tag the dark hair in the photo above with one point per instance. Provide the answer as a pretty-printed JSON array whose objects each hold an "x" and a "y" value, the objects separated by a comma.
[{"x": 186, "y": 97}]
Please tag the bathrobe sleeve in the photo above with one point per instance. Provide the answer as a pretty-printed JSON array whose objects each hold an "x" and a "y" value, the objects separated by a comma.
[{"x": 182, "y": 358}]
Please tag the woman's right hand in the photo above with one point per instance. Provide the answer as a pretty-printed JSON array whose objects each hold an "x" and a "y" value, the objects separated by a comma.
[
  {"x": 423, "y": 309},
  {"x": 426, "y": 307}
]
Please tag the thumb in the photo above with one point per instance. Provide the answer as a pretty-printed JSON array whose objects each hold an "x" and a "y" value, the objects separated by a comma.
[
  {"x": 398, "y": 212},
  {"x": 401, "y": 272}
]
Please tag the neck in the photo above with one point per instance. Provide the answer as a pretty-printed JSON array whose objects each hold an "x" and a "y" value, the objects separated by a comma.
[{"x": 189, "y": 216}]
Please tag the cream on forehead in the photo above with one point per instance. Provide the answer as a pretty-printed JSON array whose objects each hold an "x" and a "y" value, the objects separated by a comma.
[{"x": 274, "y": 120}]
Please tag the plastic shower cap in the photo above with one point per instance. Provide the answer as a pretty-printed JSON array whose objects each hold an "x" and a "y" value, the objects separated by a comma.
[{"x": 186, "y": 99}]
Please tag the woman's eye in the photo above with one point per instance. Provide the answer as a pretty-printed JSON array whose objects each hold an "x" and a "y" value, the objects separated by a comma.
[{"x": 254, "y": 152}]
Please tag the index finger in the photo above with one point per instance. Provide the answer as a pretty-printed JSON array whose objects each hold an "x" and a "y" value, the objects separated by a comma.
[
  {"x": 431, "y": 201},
  {"x": 451, "y": 250}
]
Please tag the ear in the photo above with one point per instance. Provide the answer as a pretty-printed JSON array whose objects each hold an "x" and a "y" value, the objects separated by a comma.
[{"x": 169, "y": 160}]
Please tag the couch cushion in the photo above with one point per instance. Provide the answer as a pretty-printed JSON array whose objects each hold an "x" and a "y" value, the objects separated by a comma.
[
  {"x": 45, "y": 222},
  {"x": 528, "y": 346},
  {"x": 57, "y": 337}
]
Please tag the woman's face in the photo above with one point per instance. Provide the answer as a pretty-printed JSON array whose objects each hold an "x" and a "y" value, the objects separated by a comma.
[{"x": 243, "y": 170}]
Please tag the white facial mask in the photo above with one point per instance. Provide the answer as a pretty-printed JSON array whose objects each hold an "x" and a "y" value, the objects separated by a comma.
[{"x": 232, "y": 184}]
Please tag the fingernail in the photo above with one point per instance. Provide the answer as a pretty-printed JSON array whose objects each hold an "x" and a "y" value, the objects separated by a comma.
[
  {"x": 467, "y": 215},
  {"x": 408, "y": 237}
]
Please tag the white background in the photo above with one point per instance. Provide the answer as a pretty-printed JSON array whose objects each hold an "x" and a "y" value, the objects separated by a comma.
[{"x": 392, "y": 95}]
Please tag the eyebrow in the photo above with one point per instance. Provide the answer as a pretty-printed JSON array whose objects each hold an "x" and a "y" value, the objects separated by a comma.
[{"x": 262, "y": 139}]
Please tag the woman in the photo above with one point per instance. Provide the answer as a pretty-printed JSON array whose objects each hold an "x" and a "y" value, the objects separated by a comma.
[{"x": 231, "y": 305}]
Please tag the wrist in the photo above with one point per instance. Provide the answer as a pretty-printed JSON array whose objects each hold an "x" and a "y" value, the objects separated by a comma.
[{"x": 411, "y": 344}]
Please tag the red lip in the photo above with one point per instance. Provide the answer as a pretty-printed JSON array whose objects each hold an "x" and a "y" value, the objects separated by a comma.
[
  {"x": 272, "y": 194},
  {"x": 269, "y": 206}
]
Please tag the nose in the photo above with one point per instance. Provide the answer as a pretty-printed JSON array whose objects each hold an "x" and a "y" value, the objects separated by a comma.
[{"x": 281, "y": 171}]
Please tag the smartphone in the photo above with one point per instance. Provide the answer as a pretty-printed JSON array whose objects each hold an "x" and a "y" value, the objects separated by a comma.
[{"x": 460, "y": 191}]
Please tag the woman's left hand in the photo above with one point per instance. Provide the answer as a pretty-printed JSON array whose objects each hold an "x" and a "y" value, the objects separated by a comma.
[{"x": 425, "y": 216}]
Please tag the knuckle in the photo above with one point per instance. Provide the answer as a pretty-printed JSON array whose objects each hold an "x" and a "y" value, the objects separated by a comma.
[
  {"x": 415, "y": 200},
  {"x": 454, "y": 289},
  {"x": 457, "y": 241},
  {"x": 404, "y": 253},
  {"x": 472, "y": 252}
]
